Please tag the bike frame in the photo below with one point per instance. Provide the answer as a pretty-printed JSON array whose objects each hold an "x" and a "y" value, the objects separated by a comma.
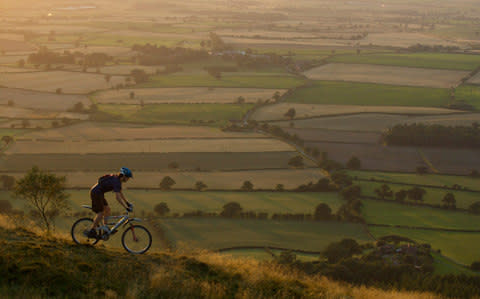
[{"x": 123, "y": 220}]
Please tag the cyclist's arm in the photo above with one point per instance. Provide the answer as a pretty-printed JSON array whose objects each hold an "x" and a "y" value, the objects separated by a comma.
[{"x": 121, "y": 199}]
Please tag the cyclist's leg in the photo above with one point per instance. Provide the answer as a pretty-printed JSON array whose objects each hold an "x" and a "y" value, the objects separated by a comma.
[{"x": 98, "y": 207}]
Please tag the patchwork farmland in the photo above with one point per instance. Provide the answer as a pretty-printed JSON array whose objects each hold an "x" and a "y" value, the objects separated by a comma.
[
  {"x": 185, "y": 95},
  {"x": 273, "y": 95},
  {"x": 392, "y": 75}
]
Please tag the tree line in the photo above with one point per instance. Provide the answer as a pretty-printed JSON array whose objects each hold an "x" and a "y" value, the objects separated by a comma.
[{"x": 433, "y": 135}]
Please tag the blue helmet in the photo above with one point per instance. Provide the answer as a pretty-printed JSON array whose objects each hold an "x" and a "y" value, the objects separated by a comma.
[{"x": 126, "y": 172}]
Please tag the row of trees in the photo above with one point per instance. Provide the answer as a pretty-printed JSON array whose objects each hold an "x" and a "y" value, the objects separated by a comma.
[
  {"x": 161, "y": 55},
  {"x": 433, "y": 135},
  {"x": 349, "y": 212},
  {"x": 45, "y": 56}
]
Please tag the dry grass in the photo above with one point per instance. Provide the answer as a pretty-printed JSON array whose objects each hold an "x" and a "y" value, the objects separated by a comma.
[
  {"x": 24, "y": 113},
  {"x": 254, "y": 272},
  {"x": 67, "y": 81},
  {"x": 114, "y": 131},
  {"x": 403, "y": 40},
  {"x": 40, "y": 101},
  {"x": 184, "y": 95},
  {"x": 5, "y": 69},
  {"x": 149, "y": 146},
  {"x": 276, "y": 112},
  {"x": 386, "y": 75},
  {"x": 15, "y": 46},
  {"x": 11, "y": 59}
]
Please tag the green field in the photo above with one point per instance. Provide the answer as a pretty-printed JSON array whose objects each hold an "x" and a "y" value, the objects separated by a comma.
[
  {"x": 346, "y": 93},
  {"x": 188, "y": 201},
  {"x": 419, "y": 60},
  {"x": 149, "y": 161},
  {"x": 380, "y": 212},
  {"x": 470, "y": 94},
  {"x": 233, "y": 79},
  {"x": 215, "y": 233},
  {"x": 433, "y": 196},
  {"x": 220, "y": 114},
  {"x": 424, "y": 179},
  {"x": 443, "y": 266},
  {"x": 461, "y": 247}
]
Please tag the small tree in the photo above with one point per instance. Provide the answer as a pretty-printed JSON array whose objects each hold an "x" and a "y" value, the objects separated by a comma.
[
  {"x": 323, "y": 212},
  {"x": 132, "y": 94},
  {"x": 296, "y": 161},
  {"x": 290, "y": 113},
  {"x": 161, "y": 209},
  {"x": 231, "y": 209},
  {"x": 247, "y": 186},
  {"x": 475, "y": 266},
  {"x": 7, "y": 139},
  {"x": 449, "y": 201},
  {"x": 58, "y": 91},
  {"x": 416, "y": 194},
  {"x": 401, "y": 195},
  {"x": 25, "y": 123},
  {"x": 240, "y": 100},
  {"x": 107, "y": 78},
  {"x": 45, "y": 195},
  {"x": 200, "y": 186},
  {"x": 167, "y": 183},
  {"x": 337, "y": 251},
  {"x": 276, "y": 96},
  {"x": 474, "y": 208},
  {"x": 139, "y": 75},
  {"x": 279, "y": 188},
  {"x": 173, "y": 165},
  {"x": 384, "y": 191},
  {"x": 354, "y": 163},
  {"x": 11, "y": 103},
  {"x": 351, "y": 192},
  {"x": 421, "y": 170}
]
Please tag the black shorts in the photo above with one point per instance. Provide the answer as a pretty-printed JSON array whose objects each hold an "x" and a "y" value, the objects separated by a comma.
[{"x": 98, "y": 201}]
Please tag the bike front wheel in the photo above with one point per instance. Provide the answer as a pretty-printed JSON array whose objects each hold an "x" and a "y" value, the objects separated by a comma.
[
  {"x": 79, "y": 232},
  {"x": 136, "y": 239}
]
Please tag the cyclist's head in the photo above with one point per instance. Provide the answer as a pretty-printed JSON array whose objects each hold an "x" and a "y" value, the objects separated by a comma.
[{"x": 126, "y": 172}]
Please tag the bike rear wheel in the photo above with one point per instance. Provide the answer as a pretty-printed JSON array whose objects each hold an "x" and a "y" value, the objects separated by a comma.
[
  {"x": 136, "y": 239},
  {"x": 79, "y": 228}
]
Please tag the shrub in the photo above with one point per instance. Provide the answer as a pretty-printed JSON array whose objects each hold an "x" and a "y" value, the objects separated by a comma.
[
  {"x": 354, "y": 163},
  {"x": 322, "y": 212},
  {"x": 247, "y": 186},
  {"x": 475, "y": 266},
  {"x": 231, "y": 209},
  {"x": 200, "y": 186},
  {"x": 161, "y": 209},
  {"x": 167, "y": 183}
]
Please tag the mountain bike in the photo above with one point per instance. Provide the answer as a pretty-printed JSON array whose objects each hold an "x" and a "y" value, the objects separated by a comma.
[{"x": 136, "y": 239}]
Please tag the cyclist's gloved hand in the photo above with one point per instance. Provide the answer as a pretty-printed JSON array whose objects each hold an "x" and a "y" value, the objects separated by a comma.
[{"x": 130, "y": 207}]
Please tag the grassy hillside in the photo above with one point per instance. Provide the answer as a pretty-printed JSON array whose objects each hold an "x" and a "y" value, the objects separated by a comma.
[{"x": 32, "y": 266}]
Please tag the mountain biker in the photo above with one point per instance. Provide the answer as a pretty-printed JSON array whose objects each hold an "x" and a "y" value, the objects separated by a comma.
[{"x": 107, "y": 183}]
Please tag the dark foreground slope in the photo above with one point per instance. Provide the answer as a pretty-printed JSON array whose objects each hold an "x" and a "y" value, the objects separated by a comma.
[{"x": 33, "y": 266}]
